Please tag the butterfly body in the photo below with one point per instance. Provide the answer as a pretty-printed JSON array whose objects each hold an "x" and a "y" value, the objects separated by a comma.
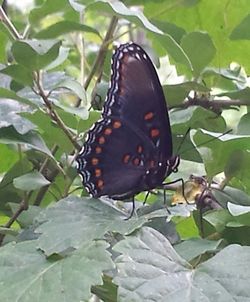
[{"x": 130, "y": 149}]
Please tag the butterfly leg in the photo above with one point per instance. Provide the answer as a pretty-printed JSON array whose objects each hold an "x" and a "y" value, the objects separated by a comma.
[
  {"x": 165, "y": 201},
  {"x": 133, "y": 209},
  {"x": 146, "y": 197},
  {"x": 165, "y": 187}
]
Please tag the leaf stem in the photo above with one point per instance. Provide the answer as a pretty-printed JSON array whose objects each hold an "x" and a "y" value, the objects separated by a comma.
[
  {"x": 22, "y": 207},
  {"x": 52, "y": 112}
]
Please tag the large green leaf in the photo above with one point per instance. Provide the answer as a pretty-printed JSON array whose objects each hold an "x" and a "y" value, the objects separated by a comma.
[
  {"x": 149, "y": 269},
  {"x": 26, "y": 274},
  {"x": 64, "y": 27},
  {"x": 35, "y": 54},
  {"x": 217, "y": 152},
  {"x": 203, "y": 52},
  {"x": 218, "y": 19},
  {"x": 74, "y": 220},
  {"x": 119, "y": 9},
  {"x": 48, "y": 7}
]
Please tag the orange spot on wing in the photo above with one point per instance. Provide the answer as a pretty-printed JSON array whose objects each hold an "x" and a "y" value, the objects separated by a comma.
[
  {"x": 101, "y": 140},
  {"x": 126, "y": 158},
  {"x": 100, "y": 184},
  {"x": 117, "y": 124},
  {"x": 94, "y": 161},
  {"x": 154, "y": 132},
  {"x": 98, "y": 150},
  {"x": 148, "y": 116},
  {"x": 139, "y": 149},
  {"x": 98, "y": 172},
  {"x": 107, "y": 131}
]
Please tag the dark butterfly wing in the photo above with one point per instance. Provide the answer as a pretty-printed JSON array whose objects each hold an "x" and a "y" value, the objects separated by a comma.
[
  {"x": 136, "y": 95},
  {"x": 129, "y": 149}
]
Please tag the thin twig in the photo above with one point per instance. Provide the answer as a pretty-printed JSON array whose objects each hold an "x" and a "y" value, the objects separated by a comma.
[
  {"x": 22, "y": 207},
  {"x": 10, "y": 26},
  {"x": 53, "y": 113},
  {"x": 99, "y": 61},
  {"x": 213, "y": 105}
]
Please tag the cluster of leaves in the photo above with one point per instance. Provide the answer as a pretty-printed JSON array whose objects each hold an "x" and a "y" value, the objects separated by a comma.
[{"x": 58, "y": 246}]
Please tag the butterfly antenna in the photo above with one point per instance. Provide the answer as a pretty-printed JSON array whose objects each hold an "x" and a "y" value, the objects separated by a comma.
[
  {"x": 182, "y": 141},
  {"x": 208, "y": 141}
]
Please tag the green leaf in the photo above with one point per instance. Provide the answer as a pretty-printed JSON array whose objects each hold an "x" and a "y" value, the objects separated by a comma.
[
  {"x": 176, "y": 94},
  {"x": 26, "y": 218},
  {"x": 76, "y": 87},
  {"x": 243, "y": 94},
  {"x": 119, "y": 9},
  {"x": 49, "y": 131},
  {"x": 64, "y": 27},
  {"x": 73, "y": 221},
  {"x": 35, "y": 54},
  {"x": 217, "y": 152},
  {"x": 149, "y": 267},
  {"x": 8, "y": 193},
  {"x": 173, "y": 49},
  {"x": 10, "y": 136},
  {"x": 241, "y": 31},
  {"x": 62, "y": 57},
  {"x": 172, "y": 29},
  {"x": 19, "y": 73},
  {"x": 106, "y": 292},
  {"x": 194, "y": 247},
  {"x": 25, "y": 273},
  {"x": 30, "y": 181},
  {"x": 9, "y": 155},
  {"x": 9, "y": 116},
  {"x": 197, "y": 117},
  {"x": 9, "y": 94},
  {"x": 47, "y": 8},
  {"x": 244, "y": 124},
  {"x": 237, "y": 210},
  {"x": 200, "y": 49}
]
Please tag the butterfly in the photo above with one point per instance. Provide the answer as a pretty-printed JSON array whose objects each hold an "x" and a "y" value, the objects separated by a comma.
[{"x": 130, "y": 149}]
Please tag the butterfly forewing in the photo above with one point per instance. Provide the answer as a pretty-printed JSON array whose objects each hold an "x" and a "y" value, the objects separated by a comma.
[
  {"x": 136, "y": 96},
  {"x": 123, "y": 151}
]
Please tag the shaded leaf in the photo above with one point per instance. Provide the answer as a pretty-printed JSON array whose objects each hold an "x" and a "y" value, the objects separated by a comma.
[
  {"x": 35, "y": 54},
  {"x": 64, "y": 27},
  {"x": 30, "y": 181},
  {"x": 241, "y": 31},
  {"x": 28, "y": 274},
  {"x": 9, "y": 116},
  {"x": 74, "y": 220},
  {"x": 200, "y": 49},
  {"x": 10, "y": 136},
  {"x": 19, "y": 73}
]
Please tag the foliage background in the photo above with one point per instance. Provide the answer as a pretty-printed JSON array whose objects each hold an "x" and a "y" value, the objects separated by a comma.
[{"x": 57, "y": 243}]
